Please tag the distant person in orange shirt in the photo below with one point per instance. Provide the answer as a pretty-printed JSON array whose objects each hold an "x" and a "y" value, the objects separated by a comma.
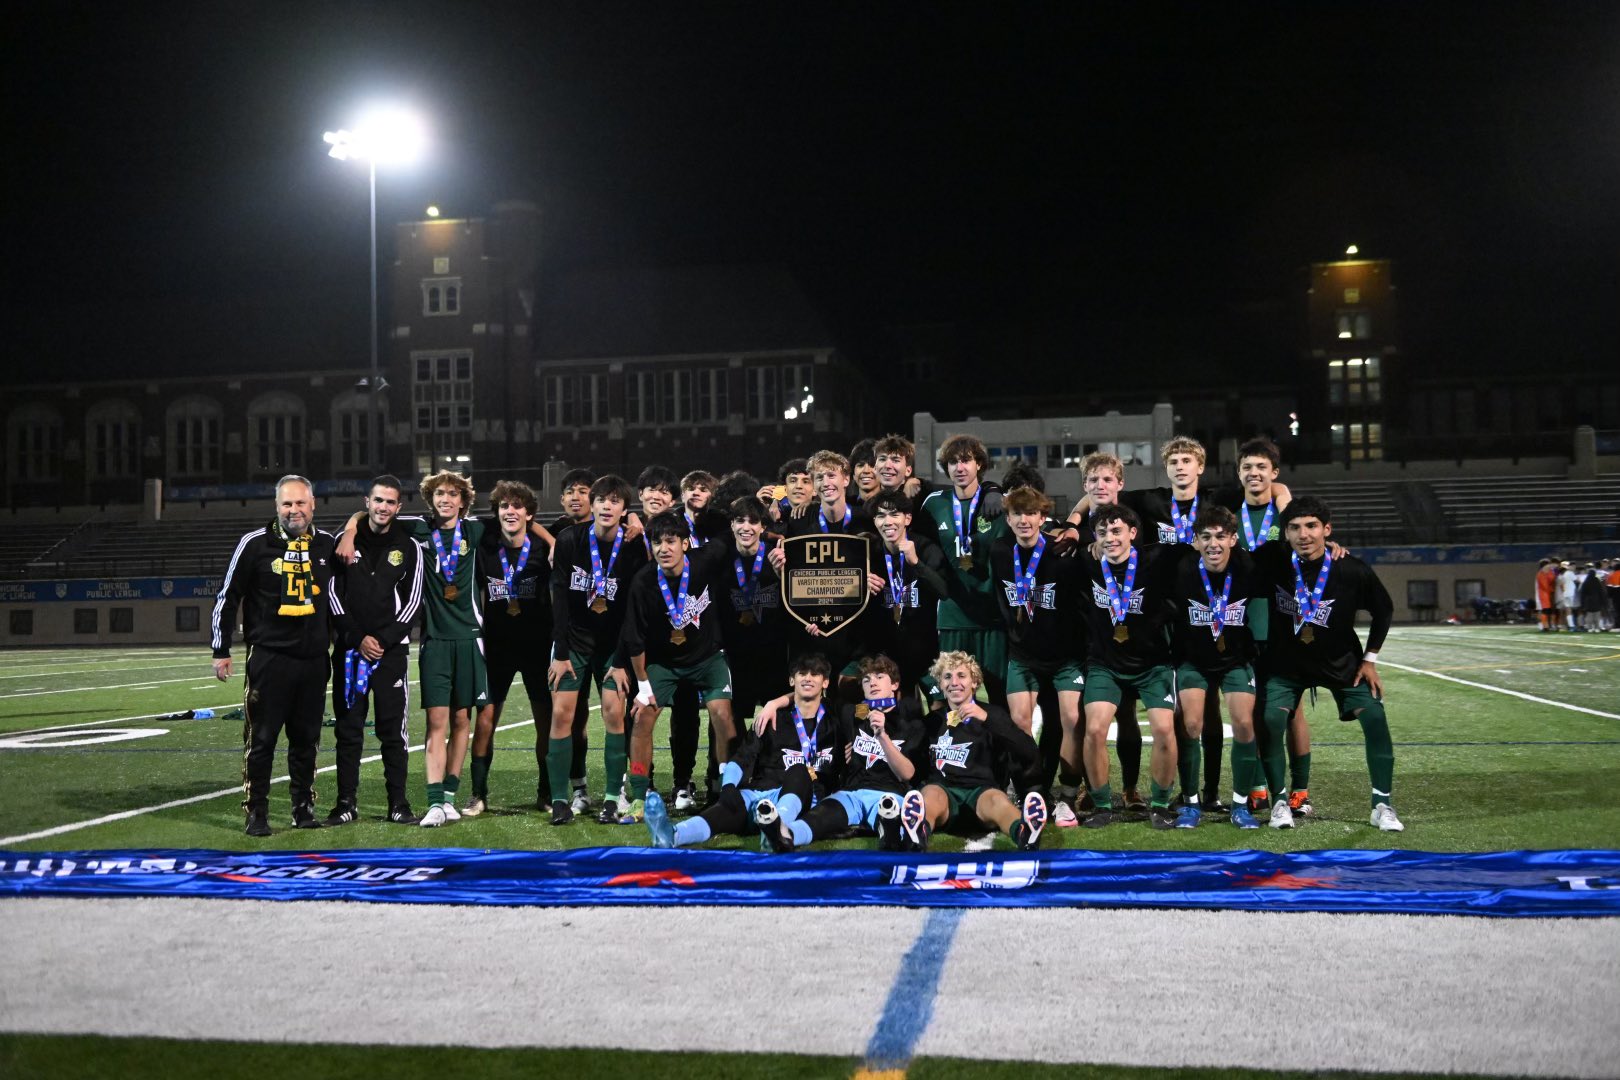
[{"x": 1546, "y": 586}]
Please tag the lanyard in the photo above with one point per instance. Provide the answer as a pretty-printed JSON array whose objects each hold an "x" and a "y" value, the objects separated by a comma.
[
  {"x": 1255, "y": 541},
  {"x": 1308, "y": 603},
  {"x": 1024, "y": 577},
  {"x": 1217, "y": 608},
  {"x": 509, "y": 572},
  {"x": 807, "y": 742},
  {"x": 848, "y": 515},
  {"x": 448, "y": 561},
  {"x": 897, "y": 579},
  {"x": 356, "y": 676},
  {"x": 1119, "y": 601},
  {"x": 749, "y": 582},
  {"x": 675, "y": 605},
  {"x": 1184, "y": 524},
  {"x": 964, "y": 537},
  {"x": 598, "y": 574}
]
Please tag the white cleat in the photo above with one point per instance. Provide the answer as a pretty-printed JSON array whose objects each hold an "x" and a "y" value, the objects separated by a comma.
[
  {"x": 1063, "y": 815},
  {"x": 684, "y": 800},
  {"x": 1383, "y": 816},
  {"x": 433, "y": 818},
  {"x": 450, "y": 811},
  {"x": 581, "y": 803},
  {"x": 1281, "y": 816},
  {"x": 476, "y": 807}
]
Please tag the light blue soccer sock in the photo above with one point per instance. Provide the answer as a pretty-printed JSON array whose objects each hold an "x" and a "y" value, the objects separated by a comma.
[
  {"x": 801, "y": 833},
  {"x": 789, "y": 807},
  {"x": 694, "y": 830}
]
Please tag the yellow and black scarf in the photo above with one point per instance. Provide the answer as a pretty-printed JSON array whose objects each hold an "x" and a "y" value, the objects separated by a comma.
[{"x": 298, "y": 588}]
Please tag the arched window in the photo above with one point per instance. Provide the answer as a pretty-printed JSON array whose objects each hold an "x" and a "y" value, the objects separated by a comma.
[
  {"x": 194, "y": 424},
  {"x": 276, "y": 433},
  {"x": 351, "y": 429},
  {"x": 112, "y": 439},
  {"x": 34, "y": 442}
]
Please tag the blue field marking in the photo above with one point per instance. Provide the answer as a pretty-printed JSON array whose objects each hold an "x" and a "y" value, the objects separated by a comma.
[{"x": 910, "y": 1004}]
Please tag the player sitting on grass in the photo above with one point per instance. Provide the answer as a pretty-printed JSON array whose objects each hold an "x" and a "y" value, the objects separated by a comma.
[
  {"x": 884, "y": 745},
  {"x": 976, "y": 746},
  {"x": 779, "y": 765}
]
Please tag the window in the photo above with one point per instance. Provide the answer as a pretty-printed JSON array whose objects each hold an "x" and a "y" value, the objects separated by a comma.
[
  {"x": 1063, "y": 455},
  {"x": 1354, "y": 381},
  {"x": 121, "y": 620},
  {"x": 1352, "y": 324},
  {"x": 113, "y": 439},
  {"x": 713, "y": 395},
  {"x": 797, "y": 390},
  {"x": 86, "y": 620},
  {"x": 1422, "y": 593},
  {"x": 441, "y": 296},
  {"x": 442, "y": 402},
  {"x": 559, "y": 389},
  {"x": 22, "y": 623},
  {"x": 276, "y": 433},
  {"x": 194, "y": 424},
  {"x": 592, "y": 400},
  {"x": 34, "y": 437},
  {"x": 676, "y": 397},
  {"x": 187, "y": 620},
  {"x": 353, "y": 427},
  {"x": 639, "y": 404},
  {"x": 762, "y": 399},
  {"x": 1467, "y": 590}
]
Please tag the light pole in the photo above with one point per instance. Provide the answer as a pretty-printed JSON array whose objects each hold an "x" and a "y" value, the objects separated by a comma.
[{"x": 391, "y": 136}]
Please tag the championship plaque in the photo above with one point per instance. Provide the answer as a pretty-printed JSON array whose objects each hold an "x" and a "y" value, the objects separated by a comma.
[{"x": 824, "y": 579}]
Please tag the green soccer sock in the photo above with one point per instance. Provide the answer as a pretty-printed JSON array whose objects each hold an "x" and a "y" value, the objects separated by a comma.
[
  {"x": 1245, "y": 767},
  {"x": 558, "y": 753},
  {"x": 480, "y": 775},
  {"x": 1159, "y": 796},
  {"x": 1275, "y": 760},
  {"x": 1299, "y": 771},
  {"x": 452, "y": 784},
  {"x": 638, "y": 784},
  {"x": 1380, "y": 753},
  {"x": 1103, "y": 796},
  {"x": 435, "y": 794},
  {"x": 1191, "y": 767},
  {"x": 614, "y": 756}
]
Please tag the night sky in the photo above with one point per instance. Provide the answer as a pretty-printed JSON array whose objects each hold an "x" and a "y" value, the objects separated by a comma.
[{"x": 1143, "y": 181}]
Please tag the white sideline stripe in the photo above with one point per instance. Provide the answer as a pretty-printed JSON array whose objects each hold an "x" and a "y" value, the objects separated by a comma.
[
  {"x": 117, "y": 719},
  {"x": 1501, "y": 690},
  {"x": 124, "y": 815},
  {"x": 148, "y": 684},
  {"x": 1536, "y": 641}
]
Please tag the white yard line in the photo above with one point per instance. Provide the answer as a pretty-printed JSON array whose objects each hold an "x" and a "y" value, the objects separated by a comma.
[
  {"x": 147, "y": 685},
  {"x": 120, "y": 719},
  {"x": 1501, "y": 690}
]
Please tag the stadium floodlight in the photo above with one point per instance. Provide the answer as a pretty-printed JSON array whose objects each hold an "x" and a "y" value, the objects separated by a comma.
[
  {"x": 1352, "y": 250},
  {"x": 385, "y": 136}
]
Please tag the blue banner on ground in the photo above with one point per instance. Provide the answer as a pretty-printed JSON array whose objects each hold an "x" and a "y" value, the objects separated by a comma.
[{"x": 1517, "y": 883}]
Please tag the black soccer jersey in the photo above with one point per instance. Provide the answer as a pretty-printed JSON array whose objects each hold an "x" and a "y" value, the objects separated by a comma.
[
  {"x": 516, "y": 617},
  {"x": 914, "y": 590},
  {"x": 692, "y": 634},
  {"x": 767, "y": 756},
  {"x": 1194, "y": 640},
  {"x": 854, "y": 522},
  {"x": 975, "y": 753},
  {"x": 1323, "y": 650},
  {"x": 1149, "y": 605},
  {"x": 1046, "y": 626},
  {"x": 868, "y": 768},
  {"x": 576, "y": 627}
]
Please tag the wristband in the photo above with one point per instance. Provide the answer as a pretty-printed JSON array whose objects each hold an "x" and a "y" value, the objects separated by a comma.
[
  {"x": 1369, "y": 657},
  {"x": 644, "y": 691}
]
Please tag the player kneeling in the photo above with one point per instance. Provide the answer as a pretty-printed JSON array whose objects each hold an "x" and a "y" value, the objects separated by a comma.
[
  {"x": 964, "y": 788},
  {"x": 771, "y": 776}
]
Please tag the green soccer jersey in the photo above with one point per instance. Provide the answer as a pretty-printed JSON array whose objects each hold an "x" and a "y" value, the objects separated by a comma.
[
  {"x": 457, "y": 615},
  {"x": 970, "y": 603},
  {"x": 1257, "y": 524}
]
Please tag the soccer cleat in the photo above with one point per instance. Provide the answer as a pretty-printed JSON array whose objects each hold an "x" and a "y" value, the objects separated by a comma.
[
  {"x": 1136, "y": 807},
  {"x": 635, "y": 811},
  {"x": 890, "y": 838},
  {"x": 401, "y": 814},
  {"x": 561, "y": 814},
  {"x": 450, "y": 811},
  {"x": 581, "y": 803},
  {"x": 772, "y": 829},
  {"x": 1383, "y": 816},
  {"x": 1211, "y": 803},
  {"x": 609, "y": 814},
  {"x": 1189, "y": 817},
  {"x": 684, "y": 801},
  {"x": 478, "y": 805},
  {"x": 1162, "y": 817},
  {"x": 434, "y": 817},
  {"x": 1086, "y": 804},
  {"x": 1034, "y": 820},
  {"x": 342, "y": 814},
  {"x": 258, "y": 823},
  {"x": 304, "y": 817},
  {"x": 1281, "y": 816},
  {"x": 1300, "y": 801},
  {"x": 657, "y": 818},
  {"x": 1063, "y": 815},
  {"x": 1242, "y": 818},
  {"x": 913, "y": 812},
  {"x": 1259, "y": 800},
  {"x": 1100, "y": 818}
]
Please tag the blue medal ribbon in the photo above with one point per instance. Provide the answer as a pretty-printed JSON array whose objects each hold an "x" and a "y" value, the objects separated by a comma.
[
  {"x": 1184, "y": 524},
  {"x": 691, "y": 527},
  {"x": 598, "y": 575},
  {"x": 881, "y": 704},
  {"x": 1024, "y": 577},
  {"x": 1265, "y": 525},
  {"x": 848, "y": 515},
  {"x": 1308, "y": 603},
  {"x": 448, "y": 560},
  {"x": 1217, "y": 607},
  {"x": 676, "y": 605},
  {"x": 897, "y": 579},
  {"x": 509, "y": 572},
  {"x": 749, "y": 582},
  {"x": 807, "y": 742},
  {"x": 1119, "y": 603},
  {"x": 964, "y": 533},
  {"x": 356, "y": 677}
]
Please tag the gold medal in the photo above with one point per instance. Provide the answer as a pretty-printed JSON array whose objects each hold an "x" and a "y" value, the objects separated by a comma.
[
  {"x": 899, "y": 613},
  {"x": 1308, "y": 634},
  {"x": 1121, "y": 633},
  {"x": 514, "y": 608},
  {"x": 964, "y": 562},
  {"x": 953, "y": 718},
  {"x": 1220, "y": 642},
  {"x": 451, "y": 592},
  {"x": 862, "y": 711},
  {"x": 599, "y": 605},
  {"x": 811, "y": 770},
  {"x": 746, "y": 618},
  {"x": 677, "y": 636}
]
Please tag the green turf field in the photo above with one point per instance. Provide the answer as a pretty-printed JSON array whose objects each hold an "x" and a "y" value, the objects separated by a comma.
[{"x": 1476, "y": 768}]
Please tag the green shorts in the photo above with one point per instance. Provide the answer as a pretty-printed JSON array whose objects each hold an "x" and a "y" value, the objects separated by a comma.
[
  {"x": 963, "y": 803},
  {"x": 1156, "y": 687},
  {"x": 711, "y": 678},
  {"x": 1027, "y": 677},
  {"x": 1281, "y": 693},
  {"x": 587, "y": 669},
  {"x": 453, "y": 674},
  {"x": 988, "y": 647},
  {"x": 1240, "y": 680}
]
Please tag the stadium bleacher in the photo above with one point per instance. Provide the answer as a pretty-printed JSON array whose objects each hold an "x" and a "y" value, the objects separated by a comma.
[
  {"x": 35, "y": 544},
  {"x": 1494, "y": 510},
  {"x": 197, "y": 547}
]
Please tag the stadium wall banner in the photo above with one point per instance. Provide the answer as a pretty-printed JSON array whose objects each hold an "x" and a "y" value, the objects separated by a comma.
[
  {"x": 1500, "y": 884},
  {"x": 1462, "y": 554},
  {"x": 87, "y": 590}
]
